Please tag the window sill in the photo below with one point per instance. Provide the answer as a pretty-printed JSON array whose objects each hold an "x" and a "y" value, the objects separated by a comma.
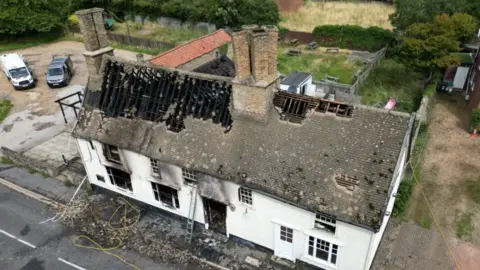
[
  {"x": 130, "y": 192},
  {"x": 246, "y": 205},
  {"x": 159, "y": 203},
  {"x": 320, "y": 263}
]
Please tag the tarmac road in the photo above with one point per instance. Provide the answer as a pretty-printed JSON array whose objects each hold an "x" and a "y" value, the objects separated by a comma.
[{"x": 27, "y": 245}]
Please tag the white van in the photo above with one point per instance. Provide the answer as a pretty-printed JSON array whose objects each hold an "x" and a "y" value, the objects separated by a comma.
[{"x": 17, "y": 72}]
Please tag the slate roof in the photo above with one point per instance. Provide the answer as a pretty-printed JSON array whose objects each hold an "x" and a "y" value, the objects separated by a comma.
[
  {"x": 193, "y": 49},
  {"x": 295, "y": 78},
  {"x": 300, "y": 164},
  {"x": 222, "y": 66}
]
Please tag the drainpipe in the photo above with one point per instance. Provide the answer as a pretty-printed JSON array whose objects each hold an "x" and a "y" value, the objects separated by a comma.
[{"x": 368, "y": 252}]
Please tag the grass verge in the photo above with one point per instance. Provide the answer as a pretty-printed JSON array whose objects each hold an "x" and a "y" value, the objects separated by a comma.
[
  {"x": 393, "y": 80},
  {"x": 319, "y": 64},
  {"x": 5, "y": 106},
  {"x": 405, "y": 190},
  {"x": 6, "y": 161}
]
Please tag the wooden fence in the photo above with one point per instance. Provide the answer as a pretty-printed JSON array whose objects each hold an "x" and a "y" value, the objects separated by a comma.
[{"x": 139, "y": 42}]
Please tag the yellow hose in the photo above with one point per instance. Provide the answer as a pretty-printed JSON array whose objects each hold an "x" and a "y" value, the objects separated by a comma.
[{"x": 120, "y": 231}]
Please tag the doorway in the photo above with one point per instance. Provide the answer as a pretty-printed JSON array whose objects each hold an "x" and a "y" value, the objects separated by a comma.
[
  {"x": 215, "y": 215},
  {"x": 284, "y": 247}
]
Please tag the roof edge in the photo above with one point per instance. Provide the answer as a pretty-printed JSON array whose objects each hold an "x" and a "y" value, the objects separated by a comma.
[{"x": 381, "y": 110}]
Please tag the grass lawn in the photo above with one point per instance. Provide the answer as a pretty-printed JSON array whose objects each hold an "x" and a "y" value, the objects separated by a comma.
[
  {"x": 156, "y": 32},
  {"x": 319, "y": 64},
  {"x": 313, "y": 14},
  {"x": 392, "y": 79},
  {"x": 5, "y": 106}
]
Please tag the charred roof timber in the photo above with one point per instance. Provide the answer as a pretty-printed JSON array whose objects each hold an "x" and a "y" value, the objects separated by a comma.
[
  {"x": 163, "y": 96},
  {"x": 294, "y": 107}
]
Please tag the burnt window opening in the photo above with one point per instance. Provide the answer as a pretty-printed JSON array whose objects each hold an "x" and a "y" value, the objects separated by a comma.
[
  {"x": 245, "y": 195},
  {"x": 120, "y": 178},
  {"x": 163, "y": 96},
  {"x": 166, "y": 195},
  {"x": 155, "y": 167},
  {"x": 325, "y": 223},
  {"x": 189, "y": 176},
  {"x": 112, "y": 153},
  {"x": 294, "y": 107}
]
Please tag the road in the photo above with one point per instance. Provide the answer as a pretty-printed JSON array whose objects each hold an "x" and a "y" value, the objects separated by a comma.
[{"x": 27, "y": 245}]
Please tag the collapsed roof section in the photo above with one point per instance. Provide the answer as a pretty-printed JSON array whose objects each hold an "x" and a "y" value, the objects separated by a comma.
[{"x": 135, "y": 91}]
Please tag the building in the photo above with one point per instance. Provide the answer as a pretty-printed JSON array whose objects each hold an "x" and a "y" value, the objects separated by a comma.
[
  {"x": 194, "y": 53},
  {"x": 310, "y": 179},
  {"x": 300, "y": 83},
  {"x": 473, "y": 79}
]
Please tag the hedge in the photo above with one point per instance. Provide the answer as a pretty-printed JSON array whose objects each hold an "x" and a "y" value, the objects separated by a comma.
[
  {"x": 475, "y": 122},
  {"x": 353, "y": 37}
]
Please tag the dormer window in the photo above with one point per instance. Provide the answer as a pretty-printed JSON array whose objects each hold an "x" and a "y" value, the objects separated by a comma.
[
  {"x": 112, "y": 153},
  {"x": 325, "y": 223}
]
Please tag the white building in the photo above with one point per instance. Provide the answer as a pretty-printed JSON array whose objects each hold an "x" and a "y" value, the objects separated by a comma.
[{"x": 312, "y": 180}]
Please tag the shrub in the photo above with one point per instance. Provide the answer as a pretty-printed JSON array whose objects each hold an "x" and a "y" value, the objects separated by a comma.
[
  {"x": 403, "y": 195},
  {"x": 475, "y": 121},
  {"x": 72, "y": 20},
  {"x": 353, "y": 37},
  {"x": 137, "y": 26}
]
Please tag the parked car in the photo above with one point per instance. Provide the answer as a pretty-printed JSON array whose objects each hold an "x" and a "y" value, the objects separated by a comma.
[
  {"x": 15, "y": 68},
  {"x": 60, "y": 71}
]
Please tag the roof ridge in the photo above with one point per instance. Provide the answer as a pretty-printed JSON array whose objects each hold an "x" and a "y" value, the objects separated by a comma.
[
  {"x": 382, "y": 110},
  {"x": 185, "y": 44}
]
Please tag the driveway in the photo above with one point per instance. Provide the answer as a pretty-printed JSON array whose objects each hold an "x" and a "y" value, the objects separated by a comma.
[{"x": 35, "y": 117}]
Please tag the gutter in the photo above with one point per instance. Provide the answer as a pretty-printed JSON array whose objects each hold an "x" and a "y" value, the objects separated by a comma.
[{"x": 405, "y": 146}]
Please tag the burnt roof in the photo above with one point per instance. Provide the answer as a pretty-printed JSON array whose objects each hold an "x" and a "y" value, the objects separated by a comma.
[
  {"x": 296, "y": 78},
  {"x": 339, "y": 166},
  {"x": 221, "y": 66}
]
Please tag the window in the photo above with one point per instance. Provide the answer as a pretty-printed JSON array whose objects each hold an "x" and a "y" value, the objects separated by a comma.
[
  {"x": 190, "y": 176},
  {"x": 322, "y": 250},
  {"x": 166, "y": 195},
  {"x": 120, "y": 178},
  {"x": 112, "y": 154},
  {"x": 155, "y": 166},
  {"x": 245, "y": 195},
  {"x": 325, "y": 223},
  {"x": 100, "y": 178},
  {"x": 286, "y": 234}
]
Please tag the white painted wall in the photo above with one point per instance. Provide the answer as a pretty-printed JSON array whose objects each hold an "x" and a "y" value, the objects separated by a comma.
[
  {"x": 255, "y": 223},
  {"x": 141, "y": 177}
]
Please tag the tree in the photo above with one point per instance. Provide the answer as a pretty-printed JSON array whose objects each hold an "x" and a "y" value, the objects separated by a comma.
[
  {"x": 21, "y": 16},
  {"x": 408, "y": 12},
  {"x": 426, "y": 46}
]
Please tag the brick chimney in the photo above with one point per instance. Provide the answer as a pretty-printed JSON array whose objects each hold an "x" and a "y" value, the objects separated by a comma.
[
  {"x": 94, "y": 38},
  {"x": 255, "y": 52}
]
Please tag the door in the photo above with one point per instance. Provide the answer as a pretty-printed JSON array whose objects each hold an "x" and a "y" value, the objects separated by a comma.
[{"x": 284, "y": 242}]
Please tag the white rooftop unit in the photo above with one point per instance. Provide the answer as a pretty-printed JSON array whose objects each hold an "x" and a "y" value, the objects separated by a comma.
[{"x": 298, "y": 82}]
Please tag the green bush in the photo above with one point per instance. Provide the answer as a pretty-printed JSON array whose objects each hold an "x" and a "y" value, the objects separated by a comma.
[
  {"x": 137, "y": 26},
  {"x": 72, "y": 20},
  {"x": 475, "y": 122},
  {"x": 403, "y": 195},
  {"x": 353, "y": 37}
]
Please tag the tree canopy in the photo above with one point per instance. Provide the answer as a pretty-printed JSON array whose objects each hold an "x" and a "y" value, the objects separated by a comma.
[
  {"x": 408, "y": 12},
  {"x": 20, "y": 16},
  {"x": 426, "y": 46}
]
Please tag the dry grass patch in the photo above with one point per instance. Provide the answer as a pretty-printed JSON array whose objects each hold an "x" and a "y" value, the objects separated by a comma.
[{"x": 313, "y": 14}]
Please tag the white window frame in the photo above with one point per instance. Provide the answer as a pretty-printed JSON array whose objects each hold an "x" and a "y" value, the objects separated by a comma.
[
  {"x": 322, "y": 245},
  {"x": 189, "y": 176},
  {"x": 175, "y": 203},
  {"x": 321, "y": 221},
  {"x": 155, "y": 167},
  {"x": 245, "y": 195}
]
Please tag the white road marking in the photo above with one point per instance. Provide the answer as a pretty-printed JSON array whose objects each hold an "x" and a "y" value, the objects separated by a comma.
[
  {"x": 18, "y": 239},
  {"x": 71, "y": 264},
  {"x": 7, "y": 234},
  {"x": 26, "y": 243}
]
